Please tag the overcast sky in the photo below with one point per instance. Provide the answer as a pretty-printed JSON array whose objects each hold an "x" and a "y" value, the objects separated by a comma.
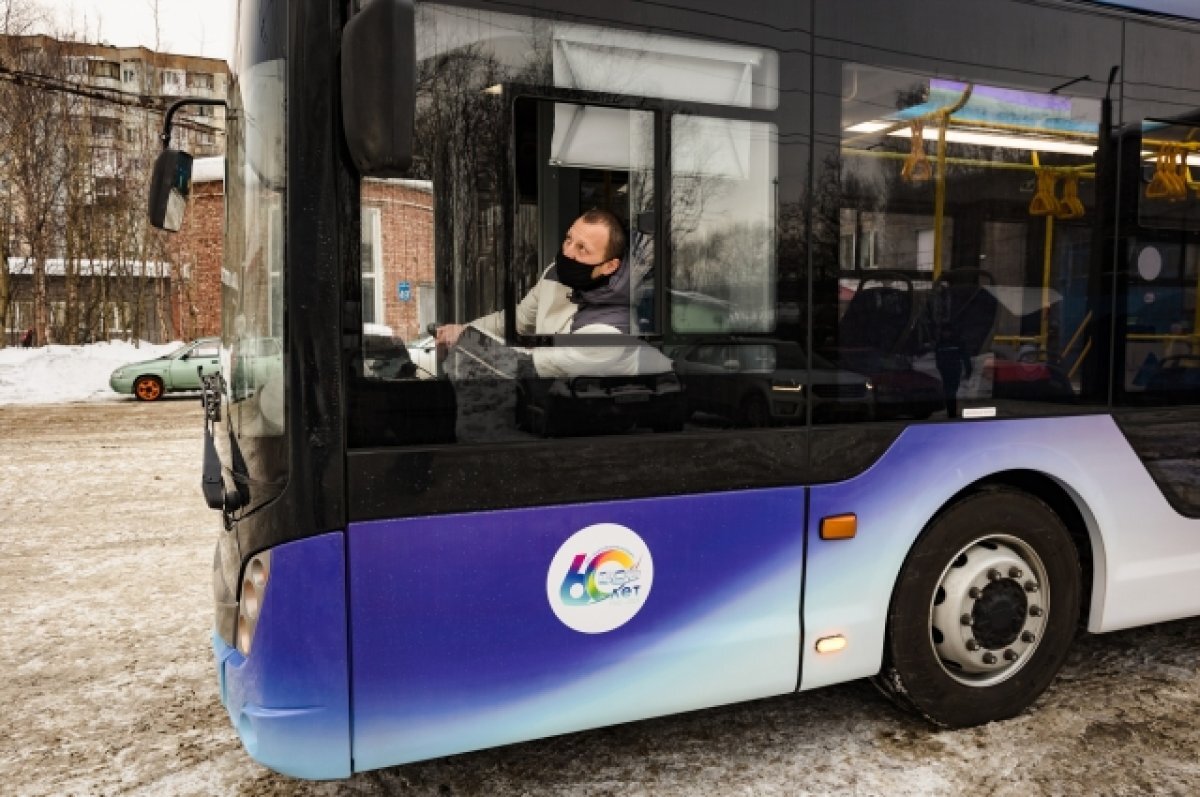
[{"x": 188, "y": 27}]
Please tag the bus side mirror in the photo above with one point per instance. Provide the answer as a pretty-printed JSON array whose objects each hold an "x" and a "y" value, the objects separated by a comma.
[
  {"x": 379, "y": 87},
  {"x": 169, "y": 188}
]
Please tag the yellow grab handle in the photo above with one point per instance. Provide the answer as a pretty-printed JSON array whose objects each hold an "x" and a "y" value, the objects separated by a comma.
[
  {"x": 1071, "y": 207},
  {"x": 1044, "y": 203},
  {"x": 1162, "y": 184},
  {"x": 916, "y": 166}
]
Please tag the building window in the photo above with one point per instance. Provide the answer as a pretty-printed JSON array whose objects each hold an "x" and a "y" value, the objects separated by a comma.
[
  {"x": 723, "y": 225},
  {"x": 372, "y": 267},
  {"x": 21, "y": 316},
  {"x": 104, "y": 127},
  {"x": 104, "y": 69},
  {"x": 199, "y": 80},
  {"x": 104, "y": 162},
  {"x": 275, "y": 270}
]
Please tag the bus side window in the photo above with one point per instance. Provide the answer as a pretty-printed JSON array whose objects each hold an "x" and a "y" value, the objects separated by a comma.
[
  {"x": 1170, "y": 193},
  {"x": 1162, "y": 350}
]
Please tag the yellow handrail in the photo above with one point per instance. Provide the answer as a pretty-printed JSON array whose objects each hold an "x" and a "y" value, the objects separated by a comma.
[
  {"x": 1082, "y": 356},
  {"x": 989, "y": 126},
  {"x": 1087, "y": 319},
  {"x": 939, "y": 209},
  {"x": 1084, "y": 172},
  {"x": 1164, "y": 337}
]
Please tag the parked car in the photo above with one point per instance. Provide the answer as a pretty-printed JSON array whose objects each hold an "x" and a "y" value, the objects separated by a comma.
[
  {"x": 180, "y": 370},
  {"x": 423, "y": 352},
  {"x": 386, "y": 357},
  {"x": 760, "y": 382}
]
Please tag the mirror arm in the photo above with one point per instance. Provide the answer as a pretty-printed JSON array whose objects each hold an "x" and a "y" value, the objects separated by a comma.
[{"x": 165, "y": 136}]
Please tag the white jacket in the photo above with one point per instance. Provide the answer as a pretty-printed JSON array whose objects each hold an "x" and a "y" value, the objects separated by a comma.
[{"x": 548, "y": 310}]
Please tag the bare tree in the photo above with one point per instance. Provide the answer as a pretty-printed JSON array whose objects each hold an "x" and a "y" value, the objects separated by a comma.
[
  {"x": 154, "y": 15},
  {"x": 31, "y": 132},
  {"x": 17, "y": 17}
]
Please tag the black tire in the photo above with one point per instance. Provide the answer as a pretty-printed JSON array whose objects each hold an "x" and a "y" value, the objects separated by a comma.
[
  {"x": 753, "y": 412},
  {"x": 1004, "y": 560}
]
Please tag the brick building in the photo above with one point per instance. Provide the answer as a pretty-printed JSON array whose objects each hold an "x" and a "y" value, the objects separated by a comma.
[
  {"x": 397, "y": 254},
  {"x": 198, "y": 250}
]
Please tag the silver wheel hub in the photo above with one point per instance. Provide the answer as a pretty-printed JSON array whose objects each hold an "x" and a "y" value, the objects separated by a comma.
[{"x": 989, "y": 610}]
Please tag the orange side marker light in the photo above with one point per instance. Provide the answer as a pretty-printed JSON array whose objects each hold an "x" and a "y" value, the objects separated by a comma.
[{"x": 839, "y": 527}]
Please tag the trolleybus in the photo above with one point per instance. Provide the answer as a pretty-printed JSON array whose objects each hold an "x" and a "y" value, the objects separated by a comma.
[{"x": 908, "y": 322}]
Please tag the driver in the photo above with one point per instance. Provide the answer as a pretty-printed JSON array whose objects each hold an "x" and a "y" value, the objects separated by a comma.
[{"x": 584, "y": 291}]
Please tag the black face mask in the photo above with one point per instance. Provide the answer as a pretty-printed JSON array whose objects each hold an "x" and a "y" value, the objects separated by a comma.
[{"x": 576, "y": 275}]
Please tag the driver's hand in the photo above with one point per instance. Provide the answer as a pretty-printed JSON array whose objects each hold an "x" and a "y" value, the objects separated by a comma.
[{"x": 447, "y": 337}]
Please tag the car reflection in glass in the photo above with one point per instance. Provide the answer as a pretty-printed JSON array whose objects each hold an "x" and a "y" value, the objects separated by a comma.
[
  {"x": 423, "y": 352},
  {"x": 386, "y": 357},
  {"x": 1175, "y": 380},
  {"x": 755, "y": 382},
  {"x": 255, "y": 363}
]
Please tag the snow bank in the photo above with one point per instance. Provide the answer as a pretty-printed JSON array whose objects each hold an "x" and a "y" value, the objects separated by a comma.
[{"x": 54, "y": 374}]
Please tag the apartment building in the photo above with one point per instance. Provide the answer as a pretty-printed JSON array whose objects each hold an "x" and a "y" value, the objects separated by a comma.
[{"x": 114, "y": 98}]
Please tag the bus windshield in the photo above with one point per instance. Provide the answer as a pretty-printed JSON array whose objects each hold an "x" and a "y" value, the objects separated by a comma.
[{"x": 253, "y": 275}]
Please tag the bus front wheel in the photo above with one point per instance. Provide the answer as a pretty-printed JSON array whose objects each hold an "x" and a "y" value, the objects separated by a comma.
[{"x": 984, "y": 610}]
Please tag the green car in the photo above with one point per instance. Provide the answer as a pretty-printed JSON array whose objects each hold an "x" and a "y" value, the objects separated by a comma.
[{"x": 179, "y": 370}]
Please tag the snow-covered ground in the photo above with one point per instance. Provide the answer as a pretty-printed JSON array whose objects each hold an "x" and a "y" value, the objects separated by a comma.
[
  {"x": 109, "y": 686},
  {"x": 56, "y": 374}
]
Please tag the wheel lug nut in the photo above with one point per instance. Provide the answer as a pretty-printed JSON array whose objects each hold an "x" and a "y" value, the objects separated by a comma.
[
  {"x": 1035, "y": 611},
  {"x": 989, "y": 658},
  {"x": 1031, "y": 586},
  {"x": 974, "y": 593},
  {"x": 965, "y": 619},
  {"x": 1011, "y": 655},
  {"x": 1015, "y": 572},
  {"x": 972, "y": 645},
  {"x": 1028, "y": 637},
  {"x": 994, "y": 574}
]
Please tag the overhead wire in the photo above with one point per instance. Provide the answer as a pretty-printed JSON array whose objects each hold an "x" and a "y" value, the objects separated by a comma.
[{"x": 152, "y": 103}]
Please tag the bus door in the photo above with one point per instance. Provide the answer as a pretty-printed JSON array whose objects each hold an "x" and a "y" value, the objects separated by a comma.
[{"x": 1158, "y": 359}]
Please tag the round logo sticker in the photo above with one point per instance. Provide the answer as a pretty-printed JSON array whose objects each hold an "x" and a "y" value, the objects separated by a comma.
[{"x": 599, "y": 578}]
